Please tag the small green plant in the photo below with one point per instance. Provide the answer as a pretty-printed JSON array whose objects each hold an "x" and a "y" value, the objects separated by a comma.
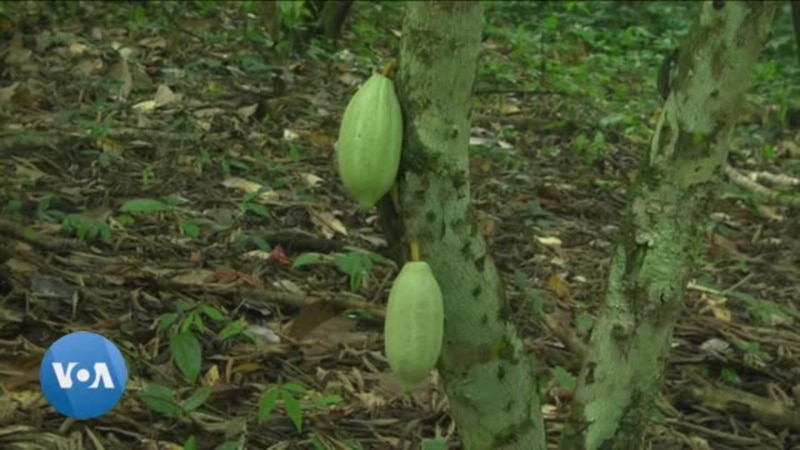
[
  {"x": 353, "y": 262},
  {"x": 249, "y": 205},
  {"x": 148, "y": 176},
  {"x": 185, "y": 324},
  {"x": 13, "y": 209},
  {"x": 166, "y": 401},
  {"x": 294, "y": 398},
  {"x": 85, "y": 229}
]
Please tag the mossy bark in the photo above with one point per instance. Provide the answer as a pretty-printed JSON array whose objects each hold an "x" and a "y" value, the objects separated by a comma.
[
  {"x": 662, "y": 228},
  {"x": 488, "y": 378}
]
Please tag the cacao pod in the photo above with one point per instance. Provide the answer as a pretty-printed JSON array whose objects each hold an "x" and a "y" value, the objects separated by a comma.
[
  {"x": 414, "y": 325},
  {"x": 370, "y": 141}
]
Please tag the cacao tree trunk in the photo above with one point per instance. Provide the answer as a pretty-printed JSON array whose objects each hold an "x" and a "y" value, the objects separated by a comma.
[
  {"x": 488, "y": 378},
  {"x": 662, "y": 228},
  {"x": 332, "y": 17}
]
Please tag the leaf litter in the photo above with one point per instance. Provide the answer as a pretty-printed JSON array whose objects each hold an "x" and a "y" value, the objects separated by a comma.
[{"x": 161, "y": 194}]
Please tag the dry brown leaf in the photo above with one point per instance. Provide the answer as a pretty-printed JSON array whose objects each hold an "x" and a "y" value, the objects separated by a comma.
[
  {"x": 27, "y": 170},
  {"x": 311, "y": 180},
  {"x": 770, "y": 212},
  {"x": 110, "y": 146},
  {"x": 122, "y": 74},
  {"x": 250, "y": 187},
  {"x": 7, "y": 93},
  {"x": 350, "y": 79},
  {"x": 245, "y": 112},
  {"x": 310, "y": 317},
  {"x": 165, "y": 96},
  {"x": 509, "y": 109},
  {"x": 721, "y": 242},
  {"x": 90, "y": 66},
  {"x": 194, "y": 277},
  {"x": 718, "y": 307},
  {"x": 328, "y": 335},
  {"x": 558, "y": 285},
  {"x": 17, "y": 53},
  {"x": 487, "y": 224},
  {"x": 327, "y": 224}
]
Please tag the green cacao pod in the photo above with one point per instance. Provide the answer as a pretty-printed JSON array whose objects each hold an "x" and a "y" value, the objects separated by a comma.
[
  {"x": 370, "y": 141},
  {"x": 414, "y": 325}
]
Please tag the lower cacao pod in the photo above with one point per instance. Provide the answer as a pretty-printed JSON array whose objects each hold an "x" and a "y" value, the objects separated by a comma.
[
  {"x": 370, "y": 141},
  {"x": 414, "y": 325}
]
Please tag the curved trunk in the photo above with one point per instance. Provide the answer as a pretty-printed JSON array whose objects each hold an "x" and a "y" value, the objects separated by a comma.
[{"x": 662, "y": 228}]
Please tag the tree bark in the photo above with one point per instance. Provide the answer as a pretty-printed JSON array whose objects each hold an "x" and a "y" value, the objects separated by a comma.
[
  {"x": 661, "y": 230},
  {"x": 488, "y": 378},
  {"x": 332, "y": 17}
]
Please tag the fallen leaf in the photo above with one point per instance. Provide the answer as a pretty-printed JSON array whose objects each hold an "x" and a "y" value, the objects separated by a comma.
[
  {"x": 121, "y": 73},
  {"x": 165, "y": 96},
  {"x": 288, "y": 286},
  {"x": 17, "y": 53},
  {"x": 246, "y": 112},
  {"x": 278, "y": 256},
  {"x": 310, "y": 317},
  {"x": 311, "y": 180},
  {"x": 558, "y": 285},
  {"x": 487, "y": 224},
  {"x": 327, "y": 224},
  {"x": 509, "y": 109},
  {"x": 250, "y": 187},
  {"x": 549, "y": 241},
  {"x": 194, "y": 277},
  {"x": 211, "y": 377},
  {"x": 7, "y": 93}
]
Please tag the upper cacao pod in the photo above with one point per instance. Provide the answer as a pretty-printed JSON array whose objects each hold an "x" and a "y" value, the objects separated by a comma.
[
  {"x": 370, "y": 141},
  {"x": 414, "y": 325}
]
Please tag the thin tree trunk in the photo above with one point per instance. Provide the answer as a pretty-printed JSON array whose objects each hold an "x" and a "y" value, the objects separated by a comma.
[
  {"x": 332, "y": 17},
  {"x": 488, "y": 378},
  {"x": 661, "y": 231}
]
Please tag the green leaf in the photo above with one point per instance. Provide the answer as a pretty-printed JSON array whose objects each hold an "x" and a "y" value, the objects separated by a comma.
[
  {"x": 316, "y": 442},
  {"x": 328, "y": 400},
  {"x": 355, "y": 281},
  {"x": 305, "y": 259},
  {"x": 259, "y": 210},
  {"x": 585, "y": 322},
  {"x": 434, "y": 444},
  {"x": 267, "y": 402},
  {"x": 730, "y": 376},
  {"x": 187, "y": 354},
  {"x": 183, "y": 306},
  {"x": 191, "y": 229},
  {"x": 197, "y": 399},
  {"x": 260, "y": 243},
  {"x": 167, "y": 320},
  {"x": 190, "y": 320},
  {"x": 125, "y": 220},
  {"x": 160, "y": 399},
  {"x": 144, "y": 205},
  {"x": 564, "y": 378},
  {"x": 294, "y": 388},
  {"x": 293, "y": 409},
  {"x": 212, "y": 313},
  {"x": 190, "y": 444},
  {"x": 233, "y": 329}
]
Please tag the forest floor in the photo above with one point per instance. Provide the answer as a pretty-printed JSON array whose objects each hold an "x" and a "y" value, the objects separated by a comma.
[{"x": 177, "y": 194}]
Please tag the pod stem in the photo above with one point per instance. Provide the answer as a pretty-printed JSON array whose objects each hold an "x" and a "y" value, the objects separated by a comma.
[
  {"x": 413, "y": 247},
  {"x": 390, "y": 69}
]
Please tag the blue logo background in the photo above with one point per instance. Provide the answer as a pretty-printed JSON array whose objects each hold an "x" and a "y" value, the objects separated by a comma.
[{"x": 83, "y": 375}]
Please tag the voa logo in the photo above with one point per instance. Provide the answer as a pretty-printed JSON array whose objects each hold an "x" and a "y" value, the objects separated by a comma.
[
  {"x": 101, "y": 374},
  {"x": 83, "y": 375}
]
